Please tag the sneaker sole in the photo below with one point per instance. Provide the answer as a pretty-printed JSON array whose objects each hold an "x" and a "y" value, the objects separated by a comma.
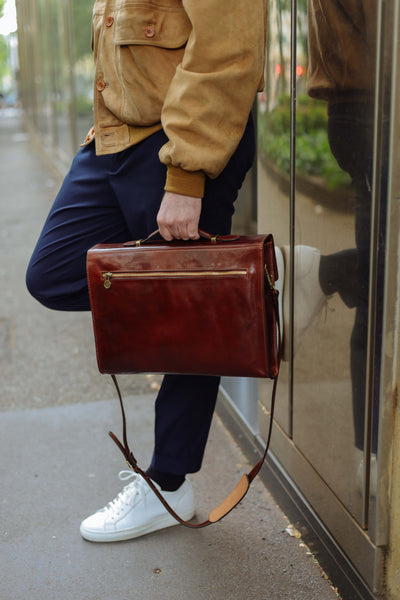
[{"x": 161, "y": 522}]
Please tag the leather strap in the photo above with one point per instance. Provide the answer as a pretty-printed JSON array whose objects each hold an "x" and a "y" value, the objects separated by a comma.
[{"x": 241, "y": 489}]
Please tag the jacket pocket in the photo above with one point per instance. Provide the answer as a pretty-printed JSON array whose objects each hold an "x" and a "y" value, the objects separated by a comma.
[{"x": 147, "y": 24}]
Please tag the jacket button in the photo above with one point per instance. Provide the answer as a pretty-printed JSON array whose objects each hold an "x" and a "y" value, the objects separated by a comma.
[
  {"x": 149, "y": 31},
  {"x": 109, "y": 21},
  {"x": 100, "y": 85}
]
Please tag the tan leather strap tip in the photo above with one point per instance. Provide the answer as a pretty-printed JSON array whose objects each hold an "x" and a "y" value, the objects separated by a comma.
[{"x": 236, "y": 495}]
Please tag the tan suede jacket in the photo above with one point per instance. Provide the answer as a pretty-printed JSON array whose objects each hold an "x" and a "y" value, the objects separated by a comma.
[
  {"x": 191, "y": 67},
  {"x": 342, "y": 47}
]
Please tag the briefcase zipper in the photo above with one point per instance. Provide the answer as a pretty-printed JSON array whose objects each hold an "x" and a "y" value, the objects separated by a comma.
[{"x": 108, "y": 276}]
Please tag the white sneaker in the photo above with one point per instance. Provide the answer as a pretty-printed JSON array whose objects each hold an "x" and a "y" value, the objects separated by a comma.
[
  {"x": 309, "y": 298},
  {"x": 137, "y": 511}
]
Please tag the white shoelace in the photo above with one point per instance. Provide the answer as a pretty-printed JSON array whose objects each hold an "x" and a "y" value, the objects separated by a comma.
[{"x": 127, "y": 496}]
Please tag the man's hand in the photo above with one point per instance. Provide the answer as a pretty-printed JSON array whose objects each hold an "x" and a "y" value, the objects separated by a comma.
[{"x": 178, "y": 217}]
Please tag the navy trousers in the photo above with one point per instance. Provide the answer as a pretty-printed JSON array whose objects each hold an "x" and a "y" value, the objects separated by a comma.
[{"x": 115, "y": 198}]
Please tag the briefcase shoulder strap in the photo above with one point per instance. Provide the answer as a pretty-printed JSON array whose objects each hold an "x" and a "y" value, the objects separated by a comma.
[{"x": 232, "y": 500}]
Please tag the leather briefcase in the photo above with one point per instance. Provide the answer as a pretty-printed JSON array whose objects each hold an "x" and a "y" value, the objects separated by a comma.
[
  {"x": 187, "y": 307},
  {"x": 205, "y": 307}
]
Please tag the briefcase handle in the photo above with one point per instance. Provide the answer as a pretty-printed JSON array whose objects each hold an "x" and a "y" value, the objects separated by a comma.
[{"x": 203, "y": 234}]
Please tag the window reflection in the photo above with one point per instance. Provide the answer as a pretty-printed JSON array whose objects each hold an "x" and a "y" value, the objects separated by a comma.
[
  {"x": 342, "y": 55},
  {"x": 335, "y": 92},
  {"x": 342, "y": 47}
]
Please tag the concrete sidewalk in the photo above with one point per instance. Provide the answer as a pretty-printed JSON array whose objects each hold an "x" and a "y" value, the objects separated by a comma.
[{"x": 58, "y": 464}]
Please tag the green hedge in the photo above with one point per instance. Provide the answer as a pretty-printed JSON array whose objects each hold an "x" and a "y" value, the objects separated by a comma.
[{"x": 313, "y": 154}]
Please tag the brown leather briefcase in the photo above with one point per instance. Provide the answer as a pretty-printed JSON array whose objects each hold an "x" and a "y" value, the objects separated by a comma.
[
  {"x": 205, "y": 307},
  {"x": 198, "y": 307}
]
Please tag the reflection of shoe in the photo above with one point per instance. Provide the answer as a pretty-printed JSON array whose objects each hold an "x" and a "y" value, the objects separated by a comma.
[
  {"x": 308, "y": 295},
  {"x": 137, "y": 511}
]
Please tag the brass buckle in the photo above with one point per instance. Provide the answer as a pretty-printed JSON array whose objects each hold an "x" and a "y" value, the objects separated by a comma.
[{"x": 270, "y": 280}]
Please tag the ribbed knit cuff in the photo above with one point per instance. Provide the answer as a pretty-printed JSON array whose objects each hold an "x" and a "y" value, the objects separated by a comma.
[{"x": 187, "y": 183}]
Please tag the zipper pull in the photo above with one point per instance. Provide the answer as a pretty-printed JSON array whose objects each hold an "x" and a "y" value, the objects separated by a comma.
[{"x": 107, "y": 280}]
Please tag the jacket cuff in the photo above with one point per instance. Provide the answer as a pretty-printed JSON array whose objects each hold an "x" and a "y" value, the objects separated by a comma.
[{"x": 187, "y": 183}]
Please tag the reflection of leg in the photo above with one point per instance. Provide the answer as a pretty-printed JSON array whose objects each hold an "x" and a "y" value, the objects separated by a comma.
[
  {"x": 350, "y": 128},
  {"x": 317, "y": 277},
  {"x": 358, "y": 345},
  {"x": 346, "y": 273},
  {"x": 359, "y": 340},
  {"x": 358, "y": 378},
  {"x": 339, "y": 272}
]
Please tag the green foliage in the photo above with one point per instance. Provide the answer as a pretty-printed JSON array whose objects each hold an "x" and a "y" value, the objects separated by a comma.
[
  {"x": 82, "y": 19},
  {"x": 4, "y": 52},
  {"x": 84, "y": 106},
  {"x": 3, "y": 48},
  {"x": 313, "y": 155}
]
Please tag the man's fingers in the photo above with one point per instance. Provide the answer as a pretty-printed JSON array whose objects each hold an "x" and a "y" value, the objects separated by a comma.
[
  {"x": 164, "y": 232},
  {"x": 193, "y": 233},
  {"x": 178, "y": 217}
]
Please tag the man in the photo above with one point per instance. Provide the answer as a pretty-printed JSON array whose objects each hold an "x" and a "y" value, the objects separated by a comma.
[{"x": 172, "y": 141}]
